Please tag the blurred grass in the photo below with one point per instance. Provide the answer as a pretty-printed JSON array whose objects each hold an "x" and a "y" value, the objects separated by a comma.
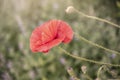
[{"x": 18, "y": 18}]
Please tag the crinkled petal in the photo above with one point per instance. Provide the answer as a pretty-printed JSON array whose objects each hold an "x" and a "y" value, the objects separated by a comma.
[
  {"x": 46, "y": 47},
  {"x": 42, "y": 35},
  {"x": 65, "y": 30},
  {"x": 50, "y": 34}
]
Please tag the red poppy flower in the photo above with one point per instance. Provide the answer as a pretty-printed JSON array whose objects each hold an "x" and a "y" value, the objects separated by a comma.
[{"x": 50, "y": 34}]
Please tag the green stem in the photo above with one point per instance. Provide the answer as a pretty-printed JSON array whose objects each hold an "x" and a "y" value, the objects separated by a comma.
[
  {"x": 99, "y": 71},
  {"x": 97, "y": 18},
  {"x": 88, "y": 60},
  {"x": 97, "y": 45}
]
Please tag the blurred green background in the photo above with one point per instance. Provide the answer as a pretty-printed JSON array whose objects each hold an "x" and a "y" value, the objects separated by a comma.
[{"x": 18, "y": 18}]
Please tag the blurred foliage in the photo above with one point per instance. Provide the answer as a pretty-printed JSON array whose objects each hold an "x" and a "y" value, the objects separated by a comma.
[{"x": 18, "y": 18}]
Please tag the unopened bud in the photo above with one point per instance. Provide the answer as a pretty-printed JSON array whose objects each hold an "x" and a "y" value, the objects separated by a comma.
[
  {"x": 70, "y": 9},
  {"x": 84, "y": 69}
]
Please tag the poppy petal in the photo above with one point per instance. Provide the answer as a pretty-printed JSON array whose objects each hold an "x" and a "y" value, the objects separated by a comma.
[
  {"x": 65, "y": 30},
  {"x": 45, "y": 48},
  {"x": 69, "y": 34},
  {"x": 50, "y": 34},
  {"x": 42, "y": 35}
]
